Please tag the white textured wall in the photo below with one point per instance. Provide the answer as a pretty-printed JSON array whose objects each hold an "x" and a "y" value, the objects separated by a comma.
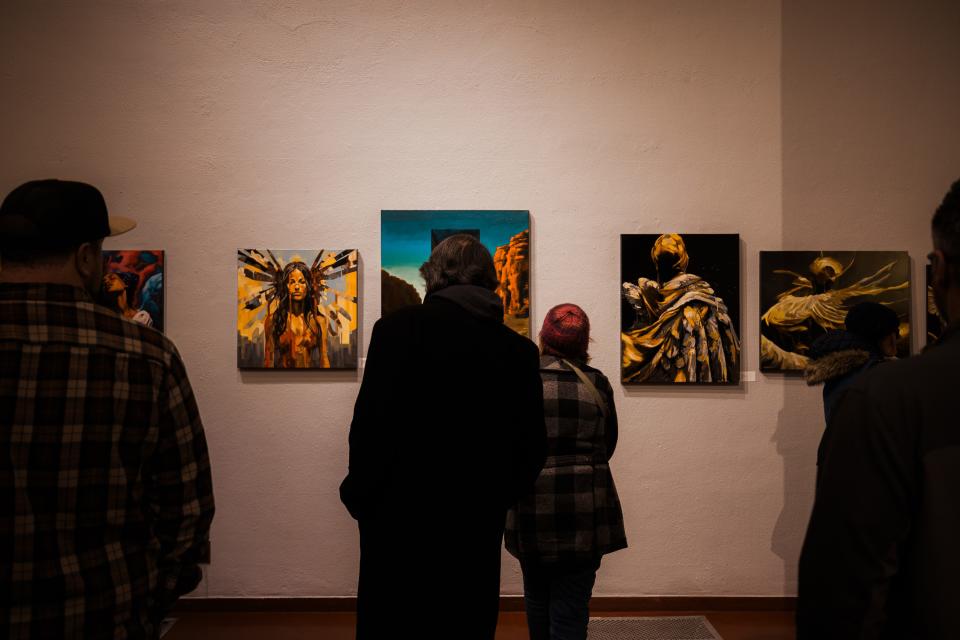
[{"x": 285, "y": 124}]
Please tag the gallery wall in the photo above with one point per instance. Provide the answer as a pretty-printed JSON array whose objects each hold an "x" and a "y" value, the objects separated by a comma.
[{"x": 221, "y": 125}]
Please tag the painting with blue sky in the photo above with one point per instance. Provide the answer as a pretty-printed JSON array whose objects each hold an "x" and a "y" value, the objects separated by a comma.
[{"x": 408, "y": 237}]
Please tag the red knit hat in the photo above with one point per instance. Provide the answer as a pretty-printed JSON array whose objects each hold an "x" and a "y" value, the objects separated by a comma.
[{"x": 566, "y": 332}]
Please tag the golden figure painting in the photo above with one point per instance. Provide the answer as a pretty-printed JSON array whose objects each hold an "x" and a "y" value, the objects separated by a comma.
[
  {"x": 804, "y": 294},
  {"x": 680, "y": 309},
  {"x": 297, "y": 309}
]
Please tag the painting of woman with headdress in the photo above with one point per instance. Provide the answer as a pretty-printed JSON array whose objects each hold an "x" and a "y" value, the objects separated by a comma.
[{"x": 292, "y": 315}]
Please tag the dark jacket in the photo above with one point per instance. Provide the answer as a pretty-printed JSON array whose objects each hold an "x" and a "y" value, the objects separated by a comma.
[
  {"x": 447, "y": 433},
  {"x": 573, "y": 514},
  {"x": 837, "y": 359},
  {"x": 882, "y": 554}
]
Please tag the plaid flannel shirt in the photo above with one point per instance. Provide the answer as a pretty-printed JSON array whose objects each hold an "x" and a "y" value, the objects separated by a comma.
[
  {"x": 573, "y": 514},
  {"x": 105, "y": 489}
]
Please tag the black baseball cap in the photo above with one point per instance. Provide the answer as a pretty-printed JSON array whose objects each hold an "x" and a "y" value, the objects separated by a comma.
[{"x": 56, "y": 214}]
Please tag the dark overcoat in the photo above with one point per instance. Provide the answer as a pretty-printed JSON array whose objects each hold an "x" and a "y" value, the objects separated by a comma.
[
  {"x": 881, "y": 558},
  {"x": 447, "y": 433},
  {"x": 573, "y": 515}
]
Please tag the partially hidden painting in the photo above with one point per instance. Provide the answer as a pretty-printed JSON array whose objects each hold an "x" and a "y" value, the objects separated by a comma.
[
  {"x": 297, "y": 309},
  {"x": 805, "y": 294},
  {"x": 936, "y": 321},
  {"x": 133, "y": 285},
  {"x": 680, "y": 308},
  {"x": 408, "y": 237}
]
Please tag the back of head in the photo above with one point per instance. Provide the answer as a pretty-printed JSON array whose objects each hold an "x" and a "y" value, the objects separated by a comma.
[
  {"x": 459, "y": 259},
  {"x": 566, "y": 332},
  {"x": 872, "y": 321},
  {"x": 946, "y": 231}
]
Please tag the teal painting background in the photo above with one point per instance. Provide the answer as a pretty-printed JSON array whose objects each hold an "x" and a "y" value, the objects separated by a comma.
[{"x": 405, "y": 235}]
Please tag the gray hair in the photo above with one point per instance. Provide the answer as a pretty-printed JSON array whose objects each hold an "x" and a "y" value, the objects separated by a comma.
[{"x": 460, "y": 259}]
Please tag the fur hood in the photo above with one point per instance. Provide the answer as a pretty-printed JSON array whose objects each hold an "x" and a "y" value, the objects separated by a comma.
[{"x": 835, "y": 365}]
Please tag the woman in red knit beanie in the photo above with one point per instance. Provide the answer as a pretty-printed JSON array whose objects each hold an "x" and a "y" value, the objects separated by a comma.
[
  {"x": 566, "y": 332},
  {"x": 572, "y": 517}
]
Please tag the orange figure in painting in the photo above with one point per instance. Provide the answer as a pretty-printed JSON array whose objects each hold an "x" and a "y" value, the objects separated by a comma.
[
  {"x": 119, "y": 291},
  {"x": 295, "y": 336}
]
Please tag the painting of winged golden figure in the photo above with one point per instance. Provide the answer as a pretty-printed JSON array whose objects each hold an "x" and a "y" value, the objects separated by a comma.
[
  {"x": 805, "y": 294},
  {"x": 297, "y": 309},
  {"x": 680, "y": 310}
]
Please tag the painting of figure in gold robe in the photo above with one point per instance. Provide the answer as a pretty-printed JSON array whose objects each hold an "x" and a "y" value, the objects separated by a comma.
[
  {"x": 297, "y": 309},
  {"x": 805, "y": 294},
  {"x": 680, "y": 311}
]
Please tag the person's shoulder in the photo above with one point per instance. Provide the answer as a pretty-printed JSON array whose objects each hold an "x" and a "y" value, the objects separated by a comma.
[
  {"x": 914, "y": 376},
  {"x": 521, "y": 344},
  {"x": 402, "y": 317},
  {"x": 888, "y": 373},
  {"x": 599, "y": 375},
  {"x": 133, "y": 339}
]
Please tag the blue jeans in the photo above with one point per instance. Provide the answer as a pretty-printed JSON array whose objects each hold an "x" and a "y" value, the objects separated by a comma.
[{"x": 558, "y": 600}]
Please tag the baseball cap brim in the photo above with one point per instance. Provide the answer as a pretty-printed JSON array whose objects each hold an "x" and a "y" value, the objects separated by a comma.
[{"x": 119, "y": 224}]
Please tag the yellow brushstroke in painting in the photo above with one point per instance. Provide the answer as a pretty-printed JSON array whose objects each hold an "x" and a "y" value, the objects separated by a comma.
[
  {"x": 248, "y": 322},
  {"x": 344, "y": 299}
]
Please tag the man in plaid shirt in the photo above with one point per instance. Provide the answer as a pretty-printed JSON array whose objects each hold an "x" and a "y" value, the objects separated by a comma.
[{"x": 105, "y": 491}]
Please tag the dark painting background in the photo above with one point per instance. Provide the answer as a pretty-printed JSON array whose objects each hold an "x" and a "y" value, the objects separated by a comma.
[{"x": 715, "y": 257}]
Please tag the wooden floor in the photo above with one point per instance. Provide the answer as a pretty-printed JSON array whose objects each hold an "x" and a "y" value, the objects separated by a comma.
[{"x": 731, "y": 625}]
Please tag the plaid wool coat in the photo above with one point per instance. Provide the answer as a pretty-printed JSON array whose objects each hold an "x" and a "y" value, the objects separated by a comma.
[{"x": 573, "y": 514}]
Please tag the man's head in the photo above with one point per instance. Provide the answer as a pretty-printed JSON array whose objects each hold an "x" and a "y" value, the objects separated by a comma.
[
  {"x": 945, "y": 258},
  {"x": 53, "y": 230},
  {"x": 876, "y": 324},
  {"x": 460, "y": 259}
]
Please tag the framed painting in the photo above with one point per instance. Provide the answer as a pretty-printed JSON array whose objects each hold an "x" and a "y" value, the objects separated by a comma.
[
  {"x": 133, "y": 285},
  {"x": 297, "y": 309},
  {"x": 680, "y": 308},
  {"x": 408, "y": 237},
  {"x": 805, "y": 294}
]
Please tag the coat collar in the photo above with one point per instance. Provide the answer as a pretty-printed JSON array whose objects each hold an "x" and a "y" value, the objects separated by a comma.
[
  {"x": 477, "y": 301},
  {"x": 553, "y": 363}
]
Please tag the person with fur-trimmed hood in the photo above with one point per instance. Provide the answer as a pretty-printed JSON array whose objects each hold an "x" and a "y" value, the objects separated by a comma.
[
  {"x": 880, "y": 559},
  {"x": 838, "y": 357}
]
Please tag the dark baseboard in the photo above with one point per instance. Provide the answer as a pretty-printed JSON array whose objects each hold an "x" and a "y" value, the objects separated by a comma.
[{"x": 599, "y": 604}]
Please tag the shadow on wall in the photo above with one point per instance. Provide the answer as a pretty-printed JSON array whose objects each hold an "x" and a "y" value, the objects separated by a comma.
[
  {"x": 797, "y": 438},
  {"x": 869, "y": 142}
]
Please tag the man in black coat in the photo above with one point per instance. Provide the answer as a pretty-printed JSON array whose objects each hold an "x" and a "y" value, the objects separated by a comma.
[
  {"x": 447, "y": 433},
  {"x": 882, "y": 554}
]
